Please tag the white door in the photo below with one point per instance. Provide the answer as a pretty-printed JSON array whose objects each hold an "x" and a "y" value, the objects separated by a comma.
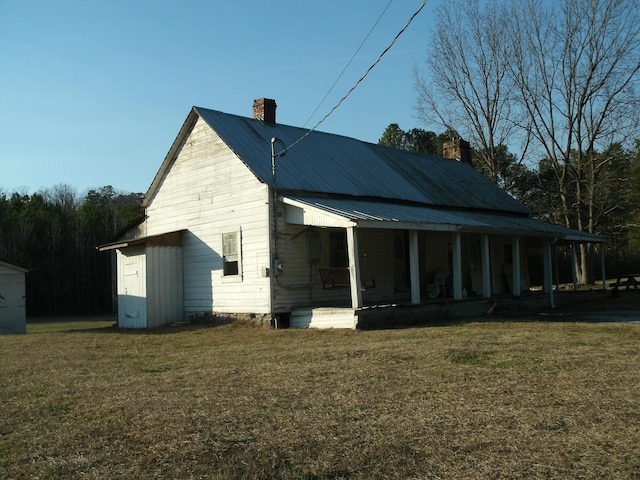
[
  {"x": 12, "y": 303},
  {"x": 132, "y": 303}
]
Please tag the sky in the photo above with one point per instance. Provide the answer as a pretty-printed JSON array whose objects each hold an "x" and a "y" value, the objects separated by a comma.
[{"x": 93, "y": 93}]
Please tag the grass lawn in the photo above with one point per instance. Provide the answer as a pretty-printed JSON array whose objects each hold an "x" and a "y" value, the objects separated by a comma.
[{"x": 489, "y": 399}]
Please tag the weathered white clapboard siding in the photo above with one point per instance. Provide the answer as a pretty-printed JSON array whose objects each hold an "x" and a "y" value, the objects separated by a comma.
[
  {"x": 434, "y": 253},
  {"x": 497, "y": 254},
  {"x": 149, "y": 286},
  {"x": 323, "y": 318},
  {"x": 209, "y": 191},
  {"x": 13, "y": 316},
  {"x": 376, "y": 262},
  {"x": 164, "y": 285}
]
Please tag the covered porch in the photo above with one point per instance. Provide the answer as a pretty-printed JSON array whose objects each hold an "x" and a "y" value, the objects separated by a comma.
[
  {"x": 435, "y": 312},
  {"x": 423, "y": 262}
]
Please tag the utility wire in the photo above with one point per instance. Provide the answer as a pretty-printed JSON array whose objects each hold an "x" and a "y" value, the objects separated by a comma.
[
  {"x": 357, "y": 83},
  {"x": 349, "y": 63}
]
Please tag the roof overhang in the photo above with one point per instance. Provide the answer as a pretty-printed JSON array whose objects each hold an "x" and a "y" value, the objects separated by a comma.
[
  {"x": 163, "y": 239},
  {"x": 343, "y": 213},
  {"x": 188, "y": 124}
]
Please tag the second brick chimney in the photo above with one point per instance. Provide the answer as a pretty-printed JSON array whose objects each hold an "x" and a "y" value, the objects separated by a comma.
[
  {"x": 458, "y": 149},
  {"x": 265, "y": 109}
]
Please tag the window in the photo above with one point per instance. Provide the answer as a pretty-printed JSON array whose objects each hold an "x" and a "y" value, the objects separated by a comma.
[
  {"x": 338, "y": 256},
  {"x": 508, "y": 253},
  {"x": 231, "y": 253}
]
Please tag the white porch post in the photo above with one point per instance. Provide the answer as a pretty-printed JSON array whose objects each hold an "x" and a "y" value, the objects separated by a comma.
[
  {"x": 604, "y": 275},
  {"x": 414, "y": 266},
  {"x": 457, "y": 266},
  {"x": 574, "y": 273},
  {"x": 547, "y": 268},
  {"x": 515, "y": 254},
  {"x": 486, "y": 267},
  {"x": 354, "y": 267}
]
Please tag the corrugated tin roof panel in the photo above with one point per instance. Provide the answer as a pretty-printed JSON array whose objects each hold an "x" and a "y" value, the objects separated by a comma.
[
  {"x": 334, "y": 164},
  {"x": 369, "y": 213}
]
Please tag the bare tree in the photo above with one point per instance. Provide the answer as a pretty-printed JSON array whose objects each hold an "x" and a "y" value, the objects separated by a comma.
[
  {"x": 562, "y": 74},
  {"x": 575, "y": 64},
  {"x": 465, "y": 87}
]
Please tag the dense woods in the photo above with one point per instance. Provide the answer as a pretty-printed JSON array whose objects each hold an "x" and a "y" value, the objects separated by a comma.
[{"x": 54, "y": 233}]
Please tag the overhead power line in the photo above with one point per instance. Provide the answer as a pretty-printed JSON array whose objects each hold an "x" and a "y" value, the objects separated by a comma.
[
  {"x": 349, "y": 62},
  {"x": 373, "y": 65}
]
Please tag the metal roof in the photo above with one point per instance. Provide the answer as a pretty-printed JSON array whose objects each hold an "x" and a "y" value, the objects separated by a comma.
[
  {"x": 372, "y": 185},
  {"x": 371, "y": 214},
  {"x": 333, "y": 164}
]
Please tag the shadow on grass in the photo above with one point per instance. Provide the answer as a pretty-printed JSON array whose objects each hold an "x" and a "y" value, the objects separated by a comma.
[
  {"x": 625, "y": 308},
  {"x": 98, "y": 324}
]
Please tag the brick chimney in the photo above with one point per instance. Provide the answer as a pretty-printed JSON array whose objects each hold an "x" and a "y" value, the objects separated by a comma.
[
  {"x": 458, "y": 149},
  {"x": 265, "y": 109}
]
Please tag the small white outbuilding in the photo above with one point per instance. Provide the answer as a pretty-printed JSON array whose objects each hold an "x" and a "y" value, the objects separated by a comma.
[{"x": 13, "y": 313}]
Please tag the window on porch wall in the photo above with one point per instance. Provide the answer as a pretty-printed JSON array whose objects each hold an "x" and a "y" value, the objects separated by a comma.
[
  {"x": 401, "y": 265},
  {"x": 508, "y": 253},
  {"x": 338, "y": 254}
]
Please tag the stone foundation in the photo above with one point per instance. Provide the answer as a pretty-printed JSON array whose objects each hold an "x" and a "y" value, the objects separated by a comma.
[{"x": 217, "y": 318}]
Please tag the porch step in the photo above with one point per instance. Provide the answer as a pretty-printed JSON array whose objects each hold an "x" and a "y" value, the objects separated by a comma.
[{"x": 323, "y": 317}]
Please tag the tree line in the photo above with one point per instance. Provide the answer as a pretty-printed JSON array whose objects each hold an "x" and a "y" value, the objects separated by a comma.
[{"x": 53, "y": 233}]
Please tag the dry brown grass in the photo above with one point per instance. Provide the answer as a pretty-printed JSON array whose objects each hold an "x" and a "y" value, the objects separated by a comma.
[{"x": 475, "y": 400}]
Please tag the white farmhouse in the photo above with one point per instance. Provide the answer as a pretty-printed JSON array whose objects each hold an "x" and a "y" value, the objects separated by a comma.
[{"x": 250, "y": 218}]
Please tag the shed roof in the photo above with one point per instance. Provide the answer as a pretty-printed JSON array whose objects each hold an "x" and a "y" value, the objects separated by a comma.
[
  {"x": 12, "y": 266},
  {"x": 163, "y": 239}
]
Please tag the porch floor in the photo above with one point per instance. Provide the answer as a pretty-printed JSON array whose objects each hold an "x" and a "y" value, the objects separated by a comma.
[
  {"x": 446, "y": 310},
  {"x": 398, "y": 315}
]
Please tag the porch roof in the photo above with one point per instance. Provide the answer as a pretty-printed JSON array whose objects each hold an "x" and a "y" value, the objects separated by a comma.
[
  {"x": 12, "y": 266},
  {"x": 341, "y": 212}
]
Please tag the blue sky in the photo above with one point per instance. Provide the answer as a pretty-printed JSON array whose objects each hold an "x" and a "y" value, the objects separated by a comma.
[{"x": 93, "y": 93}]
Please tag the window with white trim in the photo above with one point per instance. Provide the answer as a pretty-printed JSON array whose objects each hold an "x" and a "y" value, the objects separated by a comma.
[{"x": 231, "y": 254}]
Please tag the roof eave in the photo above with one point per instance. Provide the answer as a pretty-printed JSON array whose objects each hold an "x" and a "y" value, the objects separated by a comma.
[
  {"x": 14, "y": 267},
  {"x": 168, "y": 159},
  {"x": 315, "y": 212}
]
